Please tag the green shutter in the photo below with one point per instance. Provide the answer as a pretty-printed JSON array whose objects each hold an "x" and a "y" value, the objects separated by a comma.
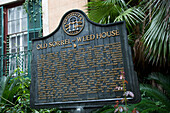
[
  {"x": 34, "y": 20},
  {"x": 1, "y": 45},
  {"x": 1, "y": 30},
  {"x": 34, "y": 26}
]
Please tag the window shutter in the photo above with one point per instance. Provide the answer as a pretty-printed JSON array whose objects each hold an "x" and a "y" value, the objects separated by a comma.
[
  {"x": 1, "y": 46},
  {"x": 1, "y": 31},
  {"x": 34, "y": 25},
  {"x": 34, "y": 20}
]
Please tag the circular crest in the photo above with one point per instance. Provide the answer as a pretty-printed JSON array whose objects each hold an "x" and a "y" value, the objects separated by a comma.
[{"x": 73, "y": 23}]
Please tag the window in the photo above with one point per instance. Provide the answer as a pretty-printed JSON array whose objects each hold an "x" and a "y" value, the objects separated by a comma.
[
  {"x": 17, "y": 29},
  {"x": 17, "y": 33},
  {"x": 15, "y": 43}
]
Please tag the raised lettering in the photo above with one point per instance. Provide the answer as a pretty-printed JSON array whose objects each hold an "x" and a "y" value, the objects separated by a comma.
[
  {"x": 79, "y": 39},
  {"x": 67, "y": 41},
  {"x": 39, "y": 46},
  {"x": 104, "y": 33},
  {"x": 87, "y": 37},
  {"x": 62, "y": 42},
  {"x": 50, "y": 44},
  {"x": 54, "y": 43},
  {"x": 92, "y": 37},
  {"x": 113, "y": 33},
  {"x": 108, "y": 34},
  {"x": 45, "y": 45},
  {"x": 84, "y": 39},
  {"x": 58, "y": 43},
  {"x": 117, "y": 32},
  {"x": 97, "y": 35}
]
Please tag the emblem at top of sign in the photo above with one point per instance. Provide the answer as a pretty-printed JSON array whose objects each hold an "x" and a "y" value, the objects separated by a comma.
[{"x": 73, "y": 23}]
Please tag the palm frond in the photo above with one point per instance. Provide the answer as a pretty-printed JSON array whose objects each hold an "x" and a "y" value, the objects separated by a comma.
[
  {"x": 156, "y": 37},
  {"x": 148, "y": 106},
  {"x": 154, "y": 109},
  {"x": 111, "y": 110},
  {"x": 104, "y": 109},
  {"x": 132, "y": 16},
  {"x": 5, "y": 83},
  {"x": 101, "y": 11},
  {"x": 156, "y": 94},
  {"x": 163, "y": 80},
  {"x": 114, "y": 10}
]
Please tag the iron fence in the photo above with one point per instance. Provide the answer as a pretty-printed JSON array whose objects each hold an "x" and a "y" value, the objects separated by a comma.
[{"x": 12, "y": 61}]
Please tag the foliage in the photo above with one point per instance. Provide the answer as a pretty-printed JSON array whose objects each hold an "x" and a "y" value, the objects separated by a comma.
[
  {"x": 148, "y": 29},
  {"x": 119, "y": 108},
  {"x": 15, "y": 96},
  {"x": 157, "y": 31},
  {"x": 34, "y": 10},
  {"x": 109, "y": 11},
  {"x": 29, "y": 8},
  {"x": 147, "y": 105},
  {"x": 154, "y": 99},
  {"x": 105, "y": 109}
]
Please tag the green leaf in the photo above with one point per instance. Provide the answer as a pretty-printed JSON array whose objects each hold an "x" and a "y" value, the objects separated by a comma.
[
  {"x": 156, "y": 34},
  {"x": 155, "y": 93}
]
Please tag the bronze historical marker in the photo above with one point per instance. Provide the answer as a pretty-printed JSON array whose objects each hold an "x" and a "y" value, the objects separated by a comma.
[{"x": 80, "y": 63}]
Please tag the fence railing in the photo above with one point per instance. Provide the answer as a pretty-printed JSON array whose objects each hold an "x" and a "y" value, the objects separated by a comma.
[{"x": 10, "y": 62}]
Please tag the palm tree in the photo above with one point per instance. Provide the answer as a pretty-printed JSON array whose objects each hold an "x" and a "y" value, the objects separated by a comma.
[
  {"x": 148, "y": 29},
  {"x": 156, "y": 36},
  {"x": 110, "y": 11}
]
